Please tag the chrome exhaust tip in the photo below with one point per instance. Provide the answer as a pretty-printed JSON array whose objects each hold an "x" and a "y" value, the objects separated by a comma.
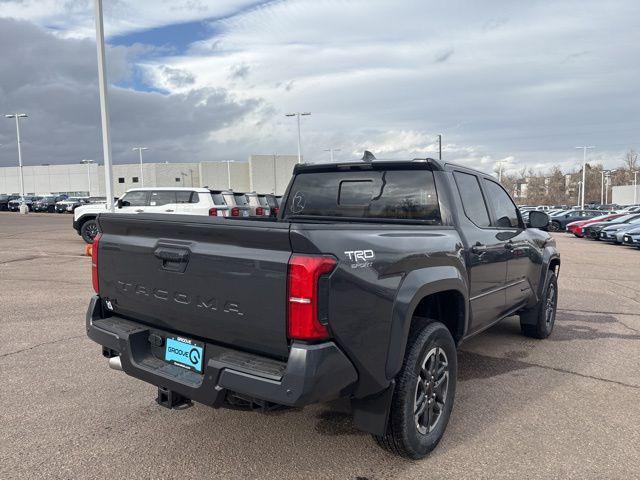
[{"x": 114, "y": 362}]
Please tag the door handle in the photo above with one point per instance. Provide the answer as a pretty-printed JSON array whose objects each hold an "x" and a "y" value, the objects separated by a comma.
[
  {"x": 139, "y": 210},
  {"x": 169, "y": 210},
  {"x": 479, "y": 248}
]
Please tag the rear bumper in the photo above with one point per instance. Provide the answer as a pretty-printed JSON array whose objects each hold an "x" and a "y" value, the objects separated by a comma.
[{"x": 312, "y": 373}]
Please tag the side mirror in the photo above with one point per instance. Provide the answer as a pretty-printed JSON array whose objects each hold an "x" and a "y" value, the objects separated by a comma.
[
  {"x": 119, "y": 203},
  {"x": 538, "y": 219}
]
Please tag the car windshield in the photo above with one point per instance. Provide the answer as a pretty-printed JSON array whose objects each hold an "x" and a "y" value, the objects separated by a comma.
[{"x": 263, "y": 200}]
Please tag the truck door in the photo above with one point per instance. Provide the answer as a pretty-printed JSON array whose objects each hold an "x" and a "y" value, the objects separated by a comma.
[
  {"x": 523, "y": 258},
  {"x": 486, "y": 254}
]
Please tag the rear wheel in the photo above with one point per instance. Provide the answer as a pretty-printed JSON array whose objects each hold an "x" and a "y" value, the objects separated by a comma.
[
  {"x": 424, "y": 394},
  {"x": 89, "y": 230},
  {"x": 538, "y": 322}
]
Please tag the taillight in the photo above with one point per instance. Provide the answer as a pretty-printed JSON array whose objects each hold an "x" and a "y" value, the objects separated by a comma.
[
  {"x": 259, "y": 211},
  {"x": 213, "y": 212},
  {"x": 94, "y": 263},
  {"x": 276, "y": 211},
  {"x": 304, "y": 274},
  {"x": 235, "y": 212}
]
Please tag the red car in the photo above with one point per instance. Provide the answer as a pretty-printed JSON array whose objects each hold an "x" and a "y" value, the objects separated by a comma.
[{"x": 577, "y": 227}]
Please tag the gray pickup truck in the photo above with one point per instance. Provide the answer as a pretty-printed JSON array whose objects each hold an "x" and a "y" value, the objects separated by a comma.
[{"x": 362, "y": 288}]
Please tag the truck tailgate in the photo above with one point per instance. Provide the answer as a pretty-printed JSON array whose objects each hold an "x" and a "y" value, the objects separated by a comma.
[{"x": 205, "y": 278}]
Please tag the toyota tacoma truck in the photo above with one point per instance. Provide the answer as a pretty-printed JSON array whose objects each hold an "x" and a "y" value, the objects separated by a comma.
[{"x": 362, "y": 288}]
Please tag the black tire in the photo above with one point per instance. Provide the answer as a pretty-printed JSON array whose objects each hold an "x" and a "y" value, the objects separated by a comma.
[
  {"x": 538, "y": 322},
  {"x": 404, "y": 436},
  {"x": 555, "y": 226},
  {"x": 89, "y": 230}
]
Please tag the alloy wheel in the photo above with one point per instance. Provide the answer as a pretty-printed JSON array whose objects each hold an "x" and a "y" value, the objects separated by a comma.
[{"x": 431, "y": 390}]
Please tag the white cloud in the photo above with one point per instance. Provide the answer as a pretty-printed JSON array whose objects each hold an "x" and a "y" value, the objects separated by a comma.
[{"x": 518, "y": 82}]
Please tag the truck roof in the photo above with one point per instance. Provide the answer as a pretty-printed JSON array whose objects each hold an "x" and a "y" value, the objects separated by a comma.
[
  {"x": 172, "y": 189},
  {"x": 416, "y": 163}
]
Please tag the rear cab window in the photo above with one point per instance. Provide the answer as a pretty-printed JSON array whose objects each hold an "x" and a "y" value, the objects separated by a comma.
[
  {"x": 240, "y": 199},
  {"x": 402, "y": 194}
]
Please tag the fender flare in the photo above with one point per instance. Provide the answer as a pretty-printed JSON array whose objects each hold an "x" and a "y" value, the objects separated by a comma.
[
  {"x": 549, "y": 256},
  {"x": 417, "y": 285}
]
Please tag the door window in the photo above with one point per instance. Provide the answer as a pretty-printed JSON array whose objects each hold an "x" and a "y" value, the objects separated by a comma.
[
  {"x": 162, "y": 197},
  {"x": 187, "y": 197},
  {"x": 472, "y": 199},
  {"x": 135, "y": 199},
  {"x": 506, "y": 213}
]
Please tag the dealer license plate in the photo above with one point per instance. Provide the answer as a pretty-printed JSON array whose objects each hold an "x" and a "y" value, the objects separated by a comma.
[{"x": 185, "y": 353}]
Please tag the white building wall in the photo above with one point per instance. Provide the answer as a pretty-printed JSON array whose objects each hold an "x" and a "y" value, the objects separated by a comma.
[
  {"x": 271, "y": 173},
  {"x": 623, "y": 195},
  {"x": 263, "y": 174},
  {"x": 215, "y": 175}
]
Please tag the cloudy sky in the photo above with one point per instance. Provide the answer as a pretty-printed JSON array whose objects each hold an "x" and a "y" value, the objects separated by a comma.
[{"x": 196, "y": 80}]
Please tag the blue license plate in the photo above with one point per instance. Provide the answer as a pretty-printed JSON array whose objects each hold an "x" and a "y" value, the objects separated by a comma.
[{"x": 185, "y": 353}]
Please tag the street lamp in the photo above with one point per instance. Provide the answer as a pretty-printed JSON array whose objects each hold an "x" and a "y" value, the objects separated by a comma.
[
  {"x": 140, "y": 150},
  {"x": 584, "y": 171},
  {"x": 439, "y": 146},
  {"x": 18, "y": 116},
  {"x": 298, "y": 115},
  {"x": 331, "y": 150},
  {"x": 635, "y": 187},
  {"x": 604, "y": 193},
  {"x": 88, "y": 163}
]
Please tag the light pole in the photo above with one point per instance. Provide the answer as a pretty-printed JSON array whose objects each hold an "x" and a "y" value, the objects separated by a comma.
[
  {"x": 140, "y": 150},
  {"x": 439, "y": 146},
  {"x": 88, "y": 163},
  {"x": 298, "y": 115},
  {"x": 104, "y": 106},
  {"x": 584, "y": 171},
  {"x": 228, "y": 162},
  {"x": 18, "y": 116},
  {"x": 331, "y": 150},
  {"x": 635, "y": 187},
  {"x": 579, "y": 189},
  {"x": 604, "y": 193}
]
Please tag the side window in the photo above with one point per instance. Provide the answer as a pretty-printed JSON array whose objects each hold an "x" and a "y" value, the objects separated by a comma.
[
  {"x": 135, "y": 199},
  {"x": 185, "y": 197},
  {"x": 503, "y": 207},
  {"x": 472, "y": 199},
  {"x": 162, "y": 197},
  {"x": 195, "y": 198}
]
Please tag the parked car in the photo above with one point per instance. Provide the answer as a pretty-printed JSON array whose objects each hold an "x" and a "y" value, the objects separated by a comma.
[
  {"x": 251, "y": 202},
  {"x": 632, "y": 237},
  {"x": 47, "y": 203},
  {"x": 14, "y": 204},
  {"x": 592, "y": 230},
  {"x": 270, "y": 202},
  {"x": 615, "y": 232},
  {"x": 168, "y": 200},
  {"x": 361, "y": 290},
  {"x": 4, "y": 201},
  {"x": 560, "y": 222},
  {"x": 577, "y": 228},
  {"x": 70, "y": 204}
]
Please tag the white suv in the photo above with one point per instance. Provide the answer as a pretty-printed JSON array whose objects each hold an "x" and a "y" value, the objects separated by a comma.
[{"x": 179, "y": 200}]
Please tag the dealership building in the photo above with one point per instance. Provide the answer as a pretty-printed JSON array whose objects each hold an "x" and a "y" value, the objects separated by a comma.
[
  {"x": 625, "y": 194},
  {"x": 261, "y": 173}
]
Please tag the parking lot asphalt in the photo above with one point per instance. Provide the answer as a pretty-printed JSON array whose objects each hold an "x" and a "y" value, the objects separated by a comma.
[{"x": 566, "y": 407}]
